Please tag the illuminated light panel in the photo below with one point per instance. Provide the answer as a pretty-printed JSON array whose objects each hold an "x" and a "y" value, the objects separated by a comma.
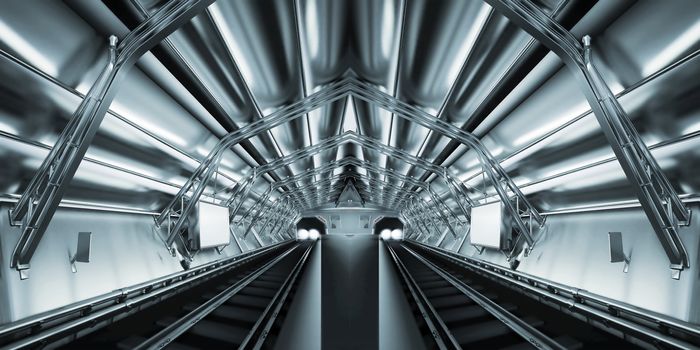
[
  {"x": 311, "y": 20},
  {"x": 26, "y": 50},
  {"x": 385, "y": 234},
  {"x": 676, "y": 48},
  {"x": 388, "y": 28},
  {"x": 303, "y": 234},
  {"x": 314, "y": 234},
  {"x": 468, "y": 44},
  {"x": 231, "y": 44}
]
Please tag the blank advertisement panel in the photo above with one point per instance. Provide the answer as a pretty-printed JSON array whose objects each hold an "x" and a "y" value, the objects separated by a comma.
[
  {"x": 490, "y": 227},
  {"x": 213, "y": 226}
]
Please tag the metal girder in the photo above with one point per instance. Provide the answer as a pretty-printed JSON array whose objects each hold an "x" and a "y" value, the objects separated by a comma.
[
  {"x": 422, "y": 203},
  {"x": 281, "y": 214},
  {"x": 340, "y": 177},
  {"x": 198, "y": 180},
  {"x": 391, "y": 173},
  {"x": 261, "y": 202},
  {"x": 336, "y": 141},
  {"x": 420, "y": 210},
  {"x": 492, "y": 168},
  {"x": 275, "y": 207},
  {"x": 660, "y": 202},
  {"x": 435, "y": 199},
  {"x": 363, "y": 141},
  {"x": 204, "y": 172},
  {"x": 41, "y": 198},
  {"x": 351, "y": 86},
  {"x": 421, "y": 214}
]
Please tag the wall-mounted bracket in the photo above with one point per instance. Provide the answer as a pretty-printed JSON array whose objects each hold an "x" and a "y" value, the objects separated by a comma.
[
  {"x": 617, "y": 251},
  {"x": 658, "y": 199},
  {"x": 82, "y": 252},
  {"x": 48, "y": 185}
]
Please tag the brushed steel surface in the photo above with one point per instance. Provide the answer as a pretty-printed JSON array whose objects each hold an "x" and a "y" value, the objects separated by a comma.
[{"x": 460, "y": 61}]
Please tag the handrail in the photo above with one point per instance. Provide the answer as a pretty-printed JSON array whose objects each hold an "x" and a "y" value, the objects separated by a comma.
[
  {"x": 661, "y": 204},
  {"x": 259, "y": 334},
  {"x": 579, "y": 299},
  {"x": 40, "y": 200},
  {"x": 173, "y": 330},
  {"x": 358, "y": 89},
  {"x": 440, "y": 333},
  {"x": 89, "y": 309},
  {"x": 528, "y": 332}
]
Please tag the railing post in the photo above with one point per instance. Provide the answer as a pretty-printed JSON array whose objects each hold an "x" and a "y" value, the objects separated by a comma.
[{"x": 651, "y": 186}]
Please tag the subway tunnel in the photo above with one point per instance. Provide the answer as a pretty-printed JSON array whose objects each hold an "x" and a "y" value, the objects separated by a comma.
[{"x": 349, "y": 174}]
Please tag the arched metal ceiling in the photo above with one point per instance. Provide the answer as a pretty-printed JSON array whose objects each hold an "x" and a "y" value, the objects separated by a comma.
[{"x": 460, "y": 62}]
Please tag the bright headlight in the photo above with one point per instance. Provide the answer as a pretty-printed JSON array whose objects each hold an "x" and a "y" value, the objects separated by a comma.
[
  {"x": 303, "y": 234},
  {"x": 314, "y": 234},
  {"x": 385, "y": 234}
]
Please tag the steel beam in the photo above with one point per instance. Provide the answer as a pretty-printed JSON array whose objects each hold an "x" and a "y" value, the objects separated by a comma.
[
  {"x": 660, "y": 202},
  {"x": 39, "y": 202},
  {"x": 203, "y": 174}
]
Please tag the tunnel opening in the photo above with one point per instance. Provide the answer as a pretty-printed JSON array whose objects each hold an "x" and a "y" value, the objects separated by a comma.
[{"x": 341, "y": 174}]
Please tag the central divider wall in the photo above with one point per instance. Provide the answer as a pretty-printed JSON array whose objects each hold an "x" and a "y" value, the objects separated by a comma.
[
  {"x": 349, "y": 297},
  {"x": 302, "y": 325},
  {"x": 350, "y": 316}
]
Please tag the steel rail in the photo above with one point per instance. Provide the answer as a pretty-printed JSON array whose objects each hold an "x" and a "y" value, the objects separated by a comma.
[
  {"x": 529, "y": 333},
  {"x": 204, "y": 172},
  {"x": 258, "y": 335},
  {"x": 492, "y": 168},
  {"x": 182, "y": 325},
  {"x": 45, "y": 191},
  {"x": 341, "y": 139},
  {"x": 608, "y": 312},
  {"x": 263, "y": 210},
  {"x": 48, "y": 326},
  {"x": 441, "y": 335},
  {"x": 659, "y": 200},
  {"x": 358, "y": 89}
]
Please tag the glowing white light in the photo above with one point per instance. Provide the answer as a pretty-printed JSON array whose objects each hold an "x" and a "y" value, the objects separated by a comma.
[
  {"x": 26, "y": 50},
  {"x": 8, "y": 128},
  {"x": 385, "y": 234},
  {"x": 562, "y": 118},
  {"x": 468, "y": 43},
  {"x": 312, "y": 31},
  {"x": 221, "y": 23},
  {"x": 137, "y": 118},
  {"x": 691, "y": 128},
  {"x": 396, "y": 234},
  {"x": 388, "y": 27},
  {"x": 350, "y": 120},
  {"x": 671, "y": 52},
  {"x": 303, "y": 234},
  {"x": 314, "y": 234}
]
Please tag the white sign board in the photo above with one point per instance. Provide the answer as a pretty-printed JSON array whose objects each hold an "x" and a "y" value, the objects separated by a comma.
[
  {"x": 486, "y": 225},
  {"x": 213, "y": 225}
]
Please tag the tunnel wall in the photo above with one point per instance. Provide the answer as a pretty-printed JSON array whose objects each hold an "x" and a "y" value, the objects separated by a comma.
[
  {"x": 126, "y": 250},
  {"x": 572, "y": 249},
  {"x": 350, "y": 219}
]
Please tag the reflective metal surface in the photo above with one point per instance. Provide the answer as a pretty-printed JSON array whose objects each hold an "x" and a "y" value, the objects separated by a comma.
[{"x": 239, "y": 62}]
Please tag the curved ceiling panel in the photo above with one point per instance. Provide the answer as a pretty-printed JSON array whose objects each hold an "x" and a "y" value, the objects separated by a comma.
[{"x": 239, "y": 62}]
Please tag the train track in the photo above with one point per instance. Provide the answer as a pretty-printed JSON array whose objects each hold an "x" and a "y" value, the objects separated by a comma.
[
  {"x": 234, "y": 302},
  {"x": 238, "y": 311},
  {"x": 460, "y": 309}
]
